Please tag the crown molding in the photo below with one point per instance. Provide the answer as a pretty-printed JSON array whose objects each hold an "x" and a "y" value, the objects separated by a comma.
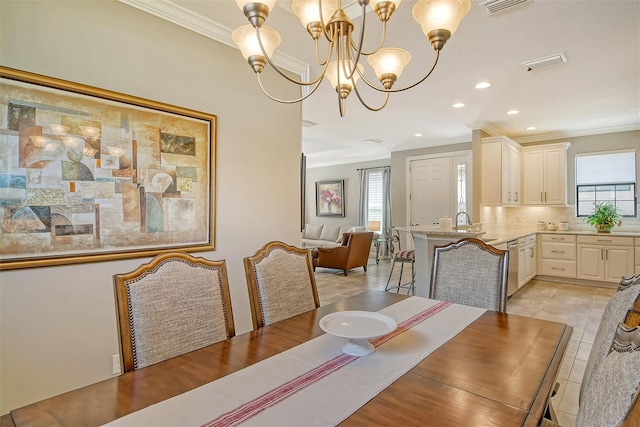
[
  {"x": 176, "y": 14},
  {"x": 492, "y": 131},
  {"x": 574, "y": 134}
]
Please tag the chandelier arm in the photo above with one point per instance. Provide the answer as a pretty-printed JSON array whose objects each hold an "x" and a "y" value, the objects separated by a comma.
[
  {"x": 382, "y": 37},
  {"x": 326, "y": 60},
  {"x": 329, "y": 36},
  {"x": 279, "y": 71},
  {"x": 362, "y": 101},
  {"x": 379, "y": 89},
  {"x": 350, "y": 44},
  {"x": 435, "y": 62},
  {"x": 286, "y": 101},
  {"x": 350, "y": 66}
]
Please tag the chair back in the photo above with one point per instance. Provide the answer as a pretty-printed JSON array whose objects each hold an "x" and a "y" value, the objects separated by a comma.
[
  {"x": 615, "y": 383},
  {"x": 470, "y": 272},
  {"x": 281, "y": 283},
  {"x": 172, "y": 305},
  {"x": 614, "y": 313},
  {"x": 359, "y": 248}
]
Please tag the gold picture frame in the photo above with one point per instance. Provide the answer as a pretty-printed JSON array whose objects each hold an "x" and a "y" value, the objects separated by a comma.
[{"x": 87, "y": 174}]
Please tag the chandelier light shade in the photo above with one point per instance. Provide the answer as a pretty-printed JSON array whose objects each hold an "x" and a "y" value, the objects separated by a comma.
[
  {"x": 342, "y": 66},
  {"x": 308, "y": 12},
  {"x": 254, "y": 48},
  {"x": 440, "y": 16},
  {"x": 338, "y": 77},
  {"x": 389, "y": 63}
]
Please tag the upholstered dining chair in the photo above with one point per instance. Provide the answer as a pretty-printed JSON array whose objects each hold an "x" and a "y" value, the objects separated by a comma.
[
  {"x": 406, "y": 256},
  {"x": 470, "y": 272},
  {"x": 615, "y": 383},
  {"x": 172, "y": 305},
  {"x": 281, "y": 283},
  {"x": 614, "y": 313}
]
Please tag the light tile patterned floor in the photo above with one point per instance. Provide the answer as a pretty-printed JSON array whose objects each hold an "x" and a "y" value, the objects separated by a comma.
[{"x": 578, "y": 306}]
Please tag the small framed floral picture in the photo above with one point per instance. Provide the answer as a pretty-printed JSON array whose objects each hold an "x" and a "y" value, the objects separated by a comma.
[{"x": 330, "y": 198}]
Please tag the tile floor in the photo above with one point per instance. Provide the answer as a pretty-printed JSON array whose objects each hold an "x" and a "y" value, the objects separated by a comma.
[{"x": 578, "y": 306}]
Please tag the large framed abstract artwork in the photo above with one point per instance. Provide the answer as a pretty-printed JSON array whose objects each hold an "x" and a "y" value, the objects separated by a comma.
[
  {"x": 89, "y": 175},
  {"x": 330, "y": 198}
]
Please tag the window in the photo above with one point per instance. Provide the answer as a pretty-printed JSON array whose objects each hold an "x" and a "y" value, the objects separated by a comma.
[
  {"x": 375, "y": 197},
  {"x": 606, "y": 177},
  {"x": 461, "y": 181}
]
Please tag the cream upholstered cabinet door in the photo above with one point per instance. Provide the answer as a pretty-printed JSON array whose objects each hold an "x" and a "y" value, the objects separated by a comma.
[
  {"x": 605, "y": 258},
  {"x": 501, "y": 172},
  {"x": 532, "y": 167},
  {"x": 555, "y": 176},
  {"x": 590, "y": 262},
  {"x": 511, "y": 175},
  {"x": 618, "y": 262},
  {"x": 545, "y": 174}
]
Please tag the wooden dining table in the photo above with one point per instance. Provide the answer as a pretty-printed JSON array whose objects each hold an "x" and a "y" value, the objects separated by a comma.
[{"x": 500, "y": 370}]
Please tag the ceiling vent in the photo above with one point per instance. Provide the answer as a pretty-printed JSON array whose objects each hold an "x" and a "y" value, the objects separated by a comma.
[
  {"x": 534, "y": 64},
  {"x": 494, "y": 6}
]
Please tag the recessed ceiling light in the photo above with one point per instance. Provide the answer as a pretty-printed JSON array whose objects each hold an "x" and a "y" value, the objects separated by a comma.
[
  {"x": 532, "y": 128},
  {"x": 483, "y": 85},
  {"x": 418, "y": 134},
  {"x": 458, "y": 105},
  {"x": 512, "y": 112}
]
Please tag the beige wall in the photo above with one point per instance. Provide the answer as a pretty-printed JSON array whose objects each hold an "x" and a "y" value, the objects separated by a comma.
[
  {"x": 58, "y": 327},
  {"x": 348, "y": 172}
]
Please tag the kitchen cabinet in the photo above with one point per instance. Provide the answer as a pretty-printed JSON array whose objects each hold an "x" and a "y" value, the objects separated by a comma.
[
  {"x": 501, "y": 172},
  {"x": 545, "y": 174},
  {"x": 558, "y": 255},
  {"x": 605, "y": 258},
  {"x": 526, "y": 259}
]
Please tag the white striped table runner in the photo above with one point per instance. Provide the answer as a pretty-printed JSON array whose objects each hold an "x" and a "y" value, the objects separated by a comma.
[{"x": 313, "y": 383}]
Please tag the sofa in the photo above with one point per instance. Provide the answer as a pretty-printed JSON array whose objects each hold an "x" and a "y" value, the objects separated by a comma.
[{"x": 326, "y": 235}]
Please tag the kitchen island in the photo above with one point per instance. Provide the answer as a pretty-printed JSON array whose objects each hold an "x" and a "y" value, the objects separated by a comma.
[{"x": 425, "y": 239}]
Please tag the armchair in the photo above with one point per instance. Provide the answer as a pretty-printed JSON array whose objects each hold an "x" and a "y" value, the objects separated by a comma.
[{"x": 353, "y": 253}]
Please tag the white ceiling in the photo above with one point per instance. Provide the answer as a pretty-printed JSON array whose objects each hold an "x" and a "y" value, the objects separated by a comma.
[{"x": 597, "y": 91}]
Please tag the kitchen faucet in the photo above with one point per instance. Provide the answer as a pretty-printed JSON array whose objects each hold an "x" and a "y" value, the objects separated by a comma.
[{"x": 465, "y": 214}]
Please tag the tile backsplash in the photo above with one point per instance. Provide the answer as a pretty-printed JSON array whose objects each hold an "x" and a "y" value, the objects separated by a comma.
[{"x": 500, "y": 218}]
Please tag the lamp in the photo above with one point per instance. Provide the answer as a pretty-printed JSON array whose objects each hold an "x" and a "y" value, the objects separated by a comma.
[
  {"x": 438, "y": 19},
  {"x": 374, "y": 226}
]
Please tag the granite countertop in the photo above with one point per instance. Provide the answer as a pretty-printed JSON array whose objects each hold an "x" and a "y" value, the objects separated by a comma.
[
  {"x": 437, "y": 231},
  {"x": 495, "y": 238},
  {"x": 498, "y": 237}
]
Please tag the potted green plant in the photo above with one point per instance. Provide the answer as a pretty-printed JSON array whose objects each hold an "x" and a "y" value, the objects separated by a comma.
[{"x": 605, "y": 215}]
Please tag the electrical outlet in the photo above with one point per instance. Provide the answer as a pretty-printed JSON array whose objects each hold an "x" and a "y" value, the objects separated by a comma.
[{"x": 115, "y": 364}]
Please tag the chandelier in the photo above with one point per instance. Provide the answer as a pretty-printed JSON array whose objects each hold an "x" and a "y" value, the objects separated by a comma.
[{"x": 342, "y": 66}]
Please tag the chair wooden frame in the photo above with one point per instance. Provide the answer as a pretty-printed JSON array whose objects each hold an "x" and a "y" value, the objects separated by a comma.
[
  {"x": 632, "y": 319},
  {"x": 252, "y": 281},
  {"x": 121, "y": 281},
  {"x": 504, "y": 266}
]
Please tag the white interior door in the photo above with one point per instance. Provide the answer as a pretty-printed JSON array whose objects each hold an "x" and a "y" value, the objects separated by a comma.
[{"x": 430, "y": 192}]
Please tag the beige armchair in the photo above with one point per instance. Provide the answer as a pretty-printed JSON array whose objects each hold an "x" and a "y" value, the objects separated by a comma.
[{"x": 353, "y": 253}]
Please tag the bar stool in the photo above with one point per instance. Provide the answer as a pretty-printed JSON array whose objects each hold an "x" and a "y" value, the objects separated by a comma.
[{"x": 407, "y": 256}]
